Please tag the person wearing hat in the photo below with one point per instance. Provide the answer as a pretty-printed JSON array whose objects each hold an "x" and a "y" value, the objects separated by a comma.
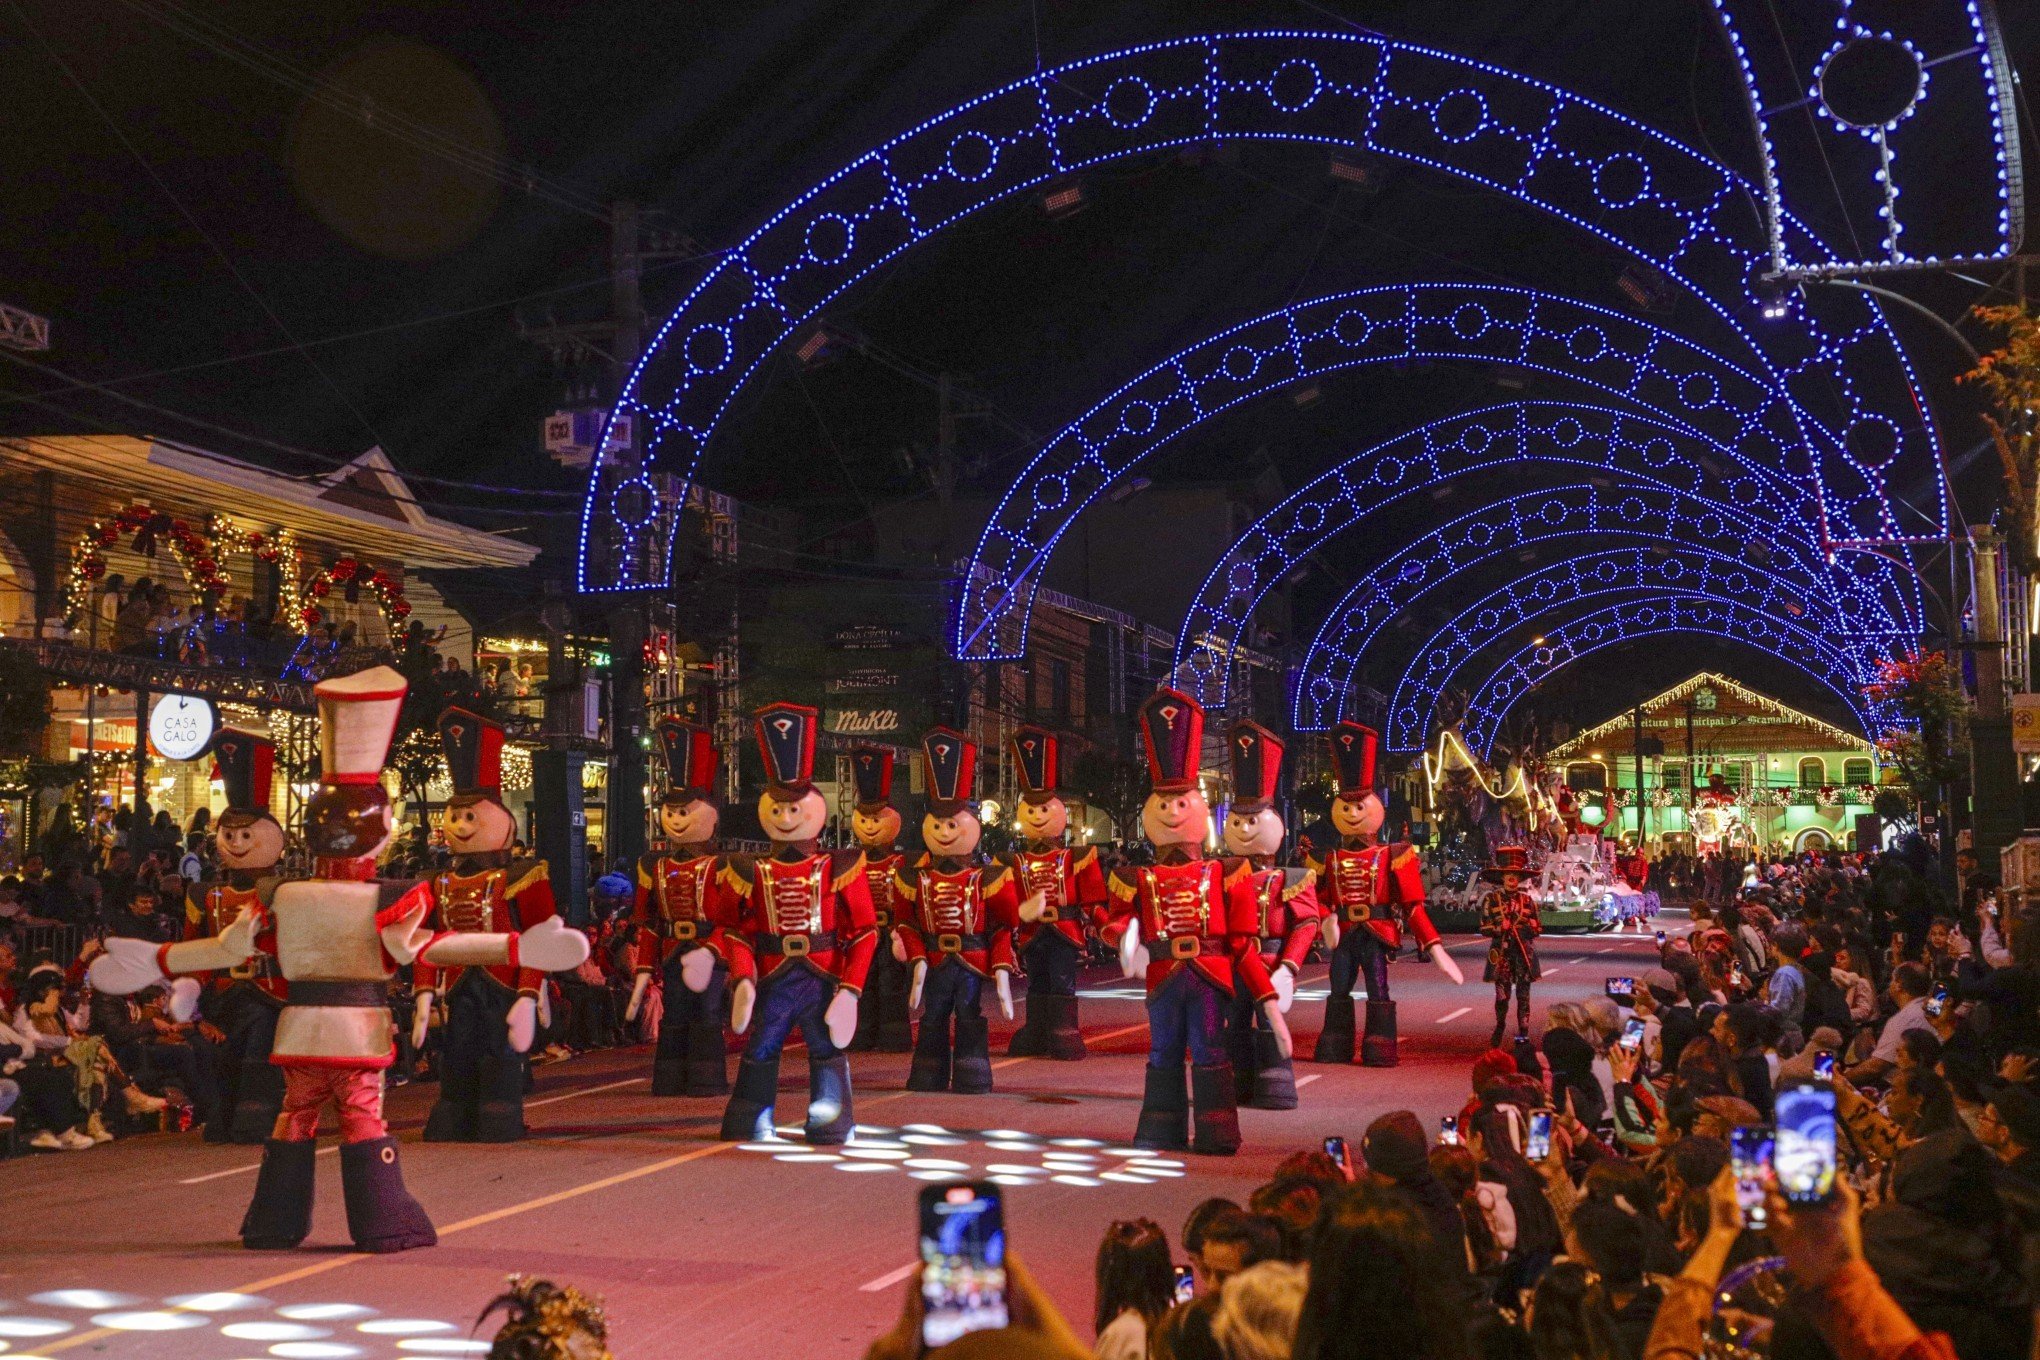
[
  {"x": 1285, "y": 914},
  {"x": 1203, "y": 944},
  {"x": 243, "y": 1002},
  {"x": 1071, "y": 888},
  {"x": 490, "y": 1014},
  {"x": 958, "y": 928},
  {"x": 340, "y": 936},
  {"x": 803, "y": 943},
  {"x": 683, "y": 909},
  {"x": 1367, "y": 891},
  {"x": 1508, "y": 917},
  {"x": 884, "y": 1022}
]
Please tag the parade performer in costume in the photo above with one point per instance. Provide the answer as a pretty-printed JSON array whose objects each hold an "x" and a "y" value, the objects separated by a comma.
[
  {"x": 959, "y": 931},
  {"x": 1508, "y": 917},
  {"x": 803, "y": 942},
  {"x": 1285, "y": 915},
  {"x": 339, "y": 939},
  {"x": 683, "y": 909},
  {"x": 1072, "y": 890},
  {"x": 491, "y": 1013},
  {"x": 884, "y": 1020},
  {"x": 1367, "y": 892},
  {"x": 242, "y": 1002},
  {"x": 1199, "y": 934}
]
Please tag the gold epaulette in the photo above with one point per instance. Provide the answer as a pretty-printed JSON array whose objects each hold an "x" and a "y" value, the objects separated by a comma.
[
  {"x": 737, "y": 882},
  {"x": 1407, "y": 856},
  {"x": 537, "y": 873},
  {"x": 1088, "y": 855},
  {"x": 1294, "y": 883},
  {"x": 1243, "y": 868},
  {"x": 996, "y": 875},
  {"x": 1313, "y": 863},
  {"x": 906, "y": 886},
  {"x": 849, "y": 869},
  {"x": 644, "y": 873},
  {"x": 1125, "y": 889}
]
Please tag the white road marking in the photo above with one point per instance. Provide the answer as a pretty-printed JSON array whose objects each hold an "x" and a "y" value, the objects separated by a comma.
[
  {"x": 584, "y": 1091},
  {"x": 889, "y": 1279},
  {"x": 1305, "y": 1081},
  {"x": 1448, "y": 1019},
  {"x": 237, "y": 1170}
]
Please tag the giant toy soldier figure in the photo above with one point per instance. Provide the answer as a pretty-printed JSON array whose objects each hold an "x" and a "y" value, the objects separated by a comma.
[
  {"x": 961, "y": 928},
  {"x": 1199, "y": 933},
  {"x": 1072, "y": 891},
  {"x": 339, "y": 940},
  {"x": 884, "y": 1019},
  {"x": 491, "y": 1012},
  {"x": 803, "y": 944},
  {"x": 244, "y": 1001},
  {"x": 1285, "y": 914},
  {"x": 1366, "y": 891},
  {"x": 683, "y": 911}
]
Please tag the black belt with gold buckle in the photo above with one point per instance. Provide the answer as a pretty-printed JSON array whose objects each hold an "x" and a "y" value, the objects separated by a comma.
[
  {"x": 956, "y": 944},
  {"x": 685, "y": 930},
  {"x": 797, "y": 946}
]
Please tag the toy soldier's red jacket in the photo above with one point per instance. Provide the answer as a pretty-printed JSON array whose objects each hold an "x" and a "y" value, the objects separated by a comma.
[
  {"x": 507, "y": 897},
  {"x": 878, "y": 881},
  {"x": 681, "y": 902},
  {"x": 1635, "y": 871},
  {"x": 1285, "y": 911},
  {"x": 965, "y": 912},
  {"x": 1379, "y": 886},
  {"x": 210, "y": 908},
  {"x": 1190, "y": 919},
  {"x": 811, "y": 911},
  {"x": 1072, "y": 890}
]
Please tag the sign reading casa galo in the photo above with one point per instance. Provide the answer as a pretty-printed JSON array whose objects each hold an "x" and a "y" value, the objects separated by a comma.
[
  {"x": 180, "y": 726},
  {"x": 863, "y": 721}
]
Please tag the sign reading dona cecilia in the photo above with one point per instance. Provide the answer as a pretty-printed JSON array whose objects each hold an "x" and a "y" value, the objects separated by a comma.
[
  {"x": 180, "y": 726},
  {"x": 863, "y": 680},
  {"x": 862, "y": 721},
  {"x": 872, "y": 637}
]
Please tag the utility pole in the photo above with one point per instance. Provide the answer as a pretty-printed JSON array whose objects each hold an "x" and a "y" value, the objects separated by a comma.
[
  {"x": 1637, "y": 751},
  {"x": 1997, "y": 812},
  {"x": 624, "y": 813}
]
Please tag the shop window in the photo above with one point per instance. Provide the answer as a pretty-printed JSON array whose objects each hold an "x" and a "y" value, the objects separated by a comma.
[
  {"x": 1586, "y": 777},
  {"x": 1676, "y": 779},
  {"x": 1812, "y": 772},
  {"x": 1856, "y": 771}
]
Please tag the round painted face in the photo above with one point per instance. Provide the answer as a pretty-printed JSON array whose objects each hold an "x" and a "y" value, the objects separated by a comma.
[
  {"x": 690, "y": 823},
  {"x": 954, "y": 835},
  {"x": 1511, "y": 882},
  {"x": 478, "y": 827},
  {"x": 1046, "y": 820},
  {"x": 243, "y": 842},
  {"x": 1176, "y": 818},
  {"x": 1360, "y": 816},
  {"x": 787, "y": 820},
  {"x": 1253, "y": 833},
  {"x": 878, "y": 829}
]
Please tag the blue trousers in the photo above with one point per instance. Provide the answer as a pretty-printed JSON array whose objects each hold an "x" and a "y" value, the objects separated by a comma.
[
  {"x": 1186, "y": 1017},
  {"x": 685, "y": 1008},
  {"x": 796, "y": 995},
  {"x": 1360, "y": 952},
  {"x": 951, "y": 990},
  {"x": 1051, "y": 962}
]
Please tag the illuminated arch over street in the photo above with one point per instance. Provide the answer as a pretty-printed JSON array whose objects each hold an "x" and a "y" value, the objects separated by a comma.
[{"x": 1849, "y": 384}]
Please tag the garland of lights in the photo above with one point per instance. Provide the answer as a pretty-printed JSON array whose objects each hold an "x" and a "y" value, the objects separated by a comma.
[
  {"x": 279, "y": 548},
  {"x": 349, "y": 571},
  {"x": 1713, "y": 680},
  {"x": 193, "y": 554},
  {"x": 1594, "y": 168}
]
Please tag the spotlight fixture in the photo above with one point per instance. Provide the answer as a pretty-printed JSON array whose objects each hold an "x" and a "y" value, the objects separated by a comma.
[
  {"x": 1126, "y": 490},
  {"x": 1064, "y": 199},
  {"x": 1307, "y": 395},
  {"x": 1775, "y": 297},
  {"x": 817, "y": 348},
  {"x": 1359, "y": 169},
  {"x": 1645, "y": 287}
]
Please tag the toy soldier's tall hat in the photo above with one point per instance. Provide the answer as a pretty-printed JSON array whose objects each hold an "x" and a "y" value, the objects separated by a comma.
[
  {"x": 951, "y": 760},
  {"x": 691, "y": 761},
  {"x": 245, "y": 761},
  {"x": 357, "y": 721},
  {"x": 1256, "y": 766},
  {"x": 786, "y": 740},
  {"x": 474, "y": 755},
  {"x": 1172, "y": 729},
  {"x": 1353, "y": 750},
  {"x": 1037, "y": 757},
  {"x": 872, "y": 768}
]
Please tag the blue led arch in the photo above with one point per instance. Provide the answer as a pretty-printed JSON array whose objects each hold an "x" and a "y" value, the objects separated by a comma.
[
  {"x": 1409, "y": 579},
  {"x": 1836, "y": 360},
  {"x": 1718, "y": 619},
  {"x": 1538, "y": 601},
  {"x": 1619, "y": 355},
  {"x": 1590, "y": 439}
]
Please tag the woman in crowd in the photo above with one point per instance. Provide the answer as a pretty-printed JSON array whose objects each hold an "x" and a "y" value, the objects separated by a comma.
[
  {"x": 1740, "y": 1030},
  {"x": 1377, "y": 1285},
  {"x": 1135, "y": 1286}
]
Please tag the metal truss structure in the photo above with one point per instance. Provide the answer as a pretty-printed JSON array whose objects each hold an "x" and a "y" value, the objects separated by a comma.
[{"x": 221, "y": 684}]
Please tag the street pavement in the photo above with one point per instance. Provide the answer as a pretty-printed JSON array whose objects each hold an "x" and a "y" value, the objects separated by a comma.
[{"x": 713, "y": 1250}]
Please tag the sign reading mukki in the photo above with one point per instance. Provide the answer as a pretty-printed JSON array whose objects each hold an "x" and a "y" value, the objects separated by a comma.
[{"x": 863, "y": 721}]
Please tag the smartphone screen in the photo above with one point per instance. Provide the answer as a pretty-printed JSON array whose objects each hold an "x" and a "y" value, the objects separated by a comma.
[
  {"x": 1186, "y": 1284},
  {"x": 1335, "y": 1148},
  {"x": 1824, "y": 1064},
  {"x": 1805, "y": 1154},
  {"x": 1538, "y": 1145},
  {"x": 1937, "y": 1002},
  {"x": 1750, "y": 1154},
  {"x": 1632, "y": 1034},
  {"x": 963, "y": 1261},
  {"x": 1660, "y": 939},
  {"x": 1448, "y": 1129},
  {"x": 1621, "y": 988}
]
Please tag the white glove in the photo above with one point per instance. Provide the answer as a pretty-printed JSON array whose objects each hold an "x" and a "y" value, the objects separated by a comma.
[
  {"x": 1133, "y": 959},
  {"x": 238, "y": 939},
  {"x": 696, "y": 969},
  {"x": 523, "y": 1023},
  {"x": 421, "y": 1018},
  {"x": 406, "y": 936},
  {"x": 1005, "y": 985},
  {"x": 1328, "y": 931},
  {"x": 899, "y": 947},
  {"x": 743, "y": 997},
  {"x": 125, "y": 968},
  {"x": 914, "y": 992},
  {"x": 841, "y": 1017},
  {"x": 551, "y": 946},
  {"x": 637, "y": 996},
  {"x": 1285, "y": 987},
  {"x": 1033, "y": 907},
  {"x": 183, "y": 1004},
  {"x": 1446, "y": 965},
  {"x": 545, "y": 1008},
  {"x": 1284, "y": 1044}
]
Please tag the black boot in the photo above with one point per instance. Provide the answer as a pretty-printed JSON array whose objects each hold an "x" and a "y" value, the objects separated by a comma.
[
  {"x": 1378, "y": 1048},
  {"x": 895, "y": 1025},
  {"x": 1164, "y": 1110},
  {"x": 1065, "y": 1036},
  {"x": 450, "y": 1122},
  {"x": 748, "y": 1116},
  {"x": 971, "y": 1073},
  {"x": 830, "y": 1118},
  {"x": 258, "y": 1099},
  {"x": 280, "y": 1212},
  {"x": 930, "y": 1071},
  {"x": 1274, "y": 1086},
  {"x": 1218, "y": 1113},
  {"x": 500, "y": 1119},
  {"x": 1239, "y": 1046},
  {"x": 1031, "y": 1039},
  {"x": 1501, "y": 1018},
  {"x": 669, "y": 1075},
  {"x": 708, "y": 1066},
  {"x": 1335, "y": 1040},
  {"x": 381, "y": 1215}
]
